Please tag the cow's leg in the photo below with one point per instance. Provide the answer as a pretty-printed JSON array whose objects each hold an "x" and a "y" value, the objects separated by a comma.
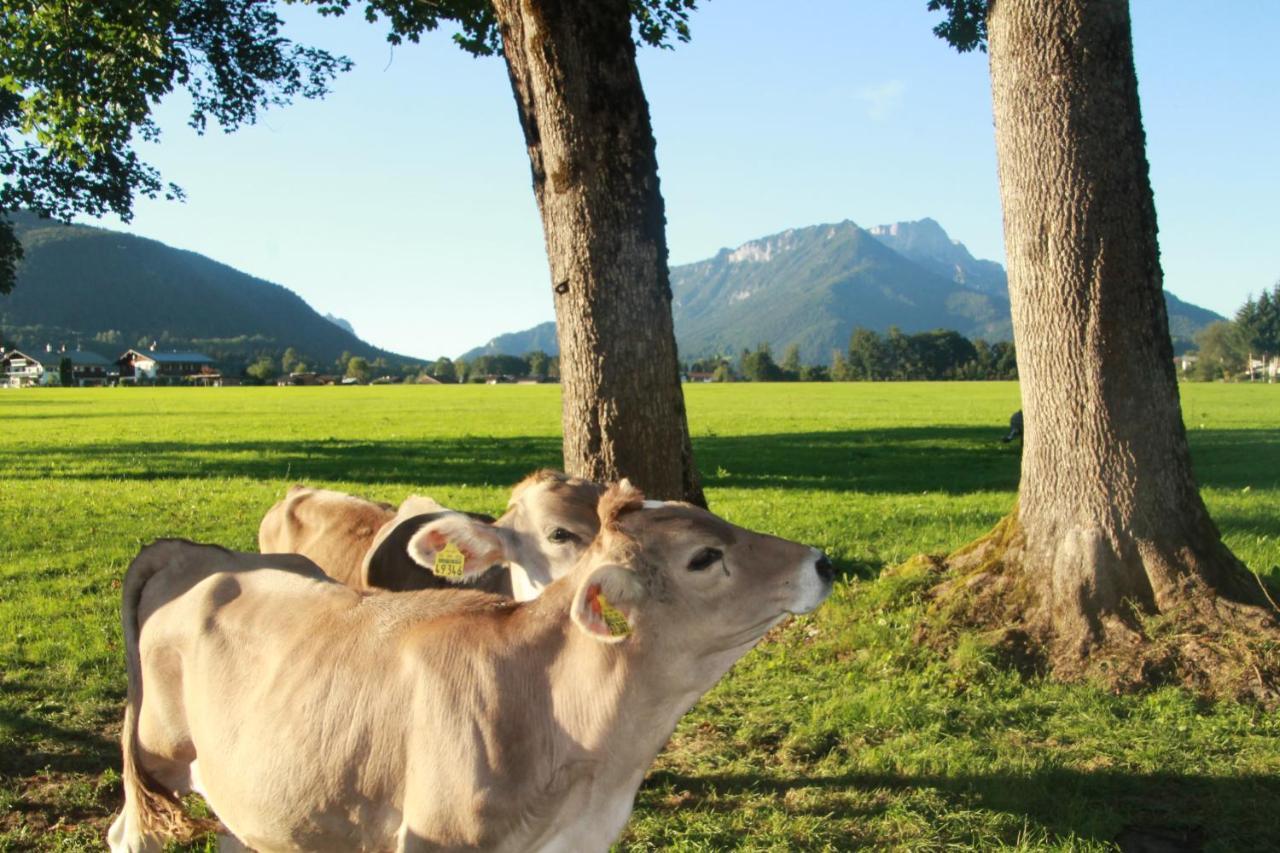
[
  {"x": 408, "y": 841},
  {"x": 125, "y": 834},
  {"x": 159, "y": 750},
  {"x": 148, "y": 815}
]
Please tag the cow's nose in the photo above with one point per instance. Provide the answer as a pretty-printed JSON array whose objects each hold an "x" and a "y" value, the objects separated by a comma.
[{"x": 826, "y": 571}]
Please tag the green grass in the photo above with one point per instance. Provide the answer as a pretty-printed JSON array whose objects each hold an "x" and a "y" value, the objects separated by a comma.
[{"x": 837, "y": 732}]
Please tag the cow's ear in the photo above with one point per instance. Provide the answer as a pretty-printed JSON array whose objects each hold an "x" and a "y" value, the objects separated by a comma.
[
  {"x": 618, "y": 500},
  {"x": 482, "y": 545},
  {"x": 606, "y": 601}
]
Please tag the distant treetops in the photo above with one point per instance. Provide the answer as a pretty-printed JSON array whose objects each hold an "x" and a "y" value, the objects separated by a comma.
[
  {"x": 1243, "y": 348},
  {"x": 939, "y": 354}
]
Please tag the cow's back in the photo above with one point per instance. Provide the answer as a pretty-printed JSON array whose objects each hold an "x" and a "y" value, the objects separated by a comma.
[
  {"x": 332, "y": 529},
  {"x": 240, "y": 655}
]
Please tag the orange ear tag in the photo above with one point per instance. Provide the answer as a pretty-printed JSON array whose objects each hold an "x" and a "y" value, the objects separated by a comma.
[
  {"x": 449, "y": 561},
  {"x": 613, "y": 619}
]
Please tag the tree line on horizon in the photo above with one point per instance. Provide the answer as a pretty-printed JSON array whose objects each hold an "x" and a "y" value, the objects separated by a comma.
[
  {"x": 1227, "y": 350},
  {"x": 940, "y": 354},
  {"x": 536, "y": 365}
]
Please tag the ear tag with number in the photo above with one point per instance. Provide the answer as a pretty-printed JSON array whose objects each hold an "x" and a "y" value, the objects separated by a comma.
[
  {"x": 449, "y": 561},
  {"x": 613, "y": 619}
]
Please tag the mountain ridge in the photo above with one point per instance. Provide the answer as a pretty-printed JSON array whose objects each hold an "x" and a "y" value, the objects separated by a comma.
[
  {"x": 812, "y": 286},
  {"x": 109, "y": 290}
]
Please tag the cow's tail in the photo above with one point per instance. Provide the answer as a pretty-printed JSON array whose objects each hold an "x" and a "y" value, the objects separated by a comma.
[{"x": 150, "y": 810}]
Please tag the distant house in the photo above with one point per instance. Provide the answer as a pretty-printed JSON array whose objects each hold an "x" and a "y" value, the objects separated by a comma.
[
  {"x": 699, "y": 376},
  {"x": 21, "y": 370},
  {"x": 1267, "y": 367},
  {"x": 301, "y": 377},
  {"x": 88, "y": 369},
  {"x": 307, "y": 377},
  {"x": 211, "y": 378},
  {"x": 152, "y": 367}
]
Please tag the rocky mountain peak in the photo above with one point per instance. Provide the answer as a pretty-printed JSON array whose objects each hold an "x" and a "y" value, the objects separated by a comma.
[
  {"x": 928, "y": 244},
  {"x": 766, "y": 249},
  {"x": 923, "y": 236}
]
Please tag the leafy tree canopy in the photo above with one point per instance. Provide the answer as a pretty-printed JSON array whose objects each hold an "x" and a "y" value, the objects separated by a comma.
[
  {"x": 359, "y": 368},
  {"x": 1259, "y": 322},
  {"x": 1223, "y": 351},
  {"x": 965, "y": 27},
  {"x": 759, "y": 366},
  {"x": 657, "y": 21},
  {"x": 79, "y": 80}
]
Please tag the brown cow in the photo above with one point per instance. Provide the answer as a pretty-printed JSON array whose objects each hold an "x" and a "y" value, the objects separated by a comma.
[
  {"x": 332, "y": 529},
  {"x": 549, "y": 521},
  {"x": 311, "y": 716}
]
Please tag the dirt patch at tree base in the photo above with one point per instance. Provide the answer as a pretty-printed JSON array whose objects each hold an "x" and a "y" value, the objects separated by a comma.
[{"x": 1216, "y": 648}]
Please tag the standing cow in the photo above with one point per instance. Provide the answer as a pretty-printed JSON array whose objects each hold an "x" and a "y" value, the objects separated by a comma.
[{"x": 311, "y": 716}]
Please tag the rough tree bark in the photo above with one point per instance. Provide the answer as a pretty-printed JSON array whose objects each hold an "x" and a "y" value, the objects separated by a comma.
[
  {"x": 595, "y": 174},
  {"x": 1110, "y": 528}
]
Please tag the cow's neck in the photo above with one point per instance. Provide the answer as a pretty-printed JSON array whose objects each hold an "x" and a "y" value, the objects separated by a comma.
[{"x": 618, "y": 702}]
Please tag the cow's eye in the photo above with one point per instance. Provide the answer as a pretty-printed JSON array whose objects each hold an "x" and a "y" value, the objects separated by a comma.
[
  {"x": 559, "y": 536},
  {"x": 705, "y": 559}
]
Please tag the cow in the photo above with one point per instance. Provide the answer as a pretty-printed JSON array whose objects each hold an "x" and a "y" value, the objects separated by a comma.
[
  {"x": 336, "y": 531},
  {"x": 403, "y": 555},
  {"x": 550, "y": 519},
  {"x": 331, "y": 528},
  {"x": 313, "y": 716}
]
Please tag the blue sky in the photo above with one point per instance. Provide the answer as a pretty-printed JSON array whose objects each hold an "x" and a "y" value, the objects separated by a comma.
[{"x": 402, "y": 202}]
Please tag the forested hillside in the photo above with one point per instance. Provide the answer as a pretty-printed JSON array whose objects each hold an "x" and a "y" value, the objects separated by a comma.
[{"x": 108, "y": 291}]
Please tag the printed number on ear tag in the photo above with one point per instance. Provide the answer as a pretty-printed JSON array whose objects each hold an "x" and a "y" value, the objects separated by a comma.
[
  {"x": 613, "y": 619},
  {"x": 449, "y": 561}
]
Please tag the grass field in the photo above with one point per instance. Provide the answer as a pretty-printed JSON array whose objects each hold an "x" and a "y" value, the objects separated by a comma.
[{"x": 835, "y": 733}]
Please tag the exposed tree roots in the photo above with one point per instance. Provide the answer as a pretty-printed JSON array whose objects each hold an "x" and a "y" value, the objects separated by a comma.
[{"x": 1219, "y": 644}]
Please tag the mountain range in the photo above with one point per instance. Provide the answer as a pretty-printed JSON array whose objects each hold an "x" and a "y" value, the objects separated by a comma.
[
  {"x": 106, "y": 291},
  {"x": 812, "y": 286}
]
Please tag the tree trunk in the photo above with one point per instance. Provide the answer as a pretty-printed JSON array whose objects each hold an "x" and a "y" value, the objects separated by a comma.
[
  {"x": 595, "y": 174},
  {"x": 1110, "y": 528}
]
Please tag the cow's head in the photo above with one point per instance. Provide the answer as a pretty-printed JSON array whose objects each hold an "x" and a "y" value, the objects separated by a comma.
[
  {"x": 550, "y": 521},
  {"x": 690, "y": 584}
]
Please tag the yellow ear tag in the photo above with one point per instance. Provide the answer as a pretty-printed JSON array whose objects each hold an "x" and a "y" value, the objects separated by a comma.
[
  {"x": 613, "y": 619},
  {"x": 449, "y": 561}
]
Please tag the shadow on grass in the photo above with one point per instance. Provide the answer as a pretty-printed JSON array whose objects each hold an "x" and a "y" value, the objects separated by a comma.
[
  {"x": 436, "y": 462},
  {"x": 950, "y": 460},
  {"x": 53, "y": 753},
  {"x": 30, "y": 721},
  {"x": 1264, "y": 523},
  {"x": 1139, "y": 812},
  {"x": 911, "y": 460}
]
